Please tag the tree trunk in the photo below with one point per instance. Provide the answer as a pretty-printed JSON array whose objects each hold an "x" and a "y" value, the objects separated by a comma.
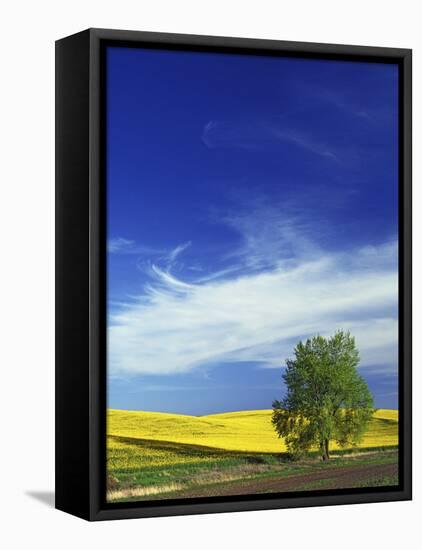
[{"x": 325, "y": 449}]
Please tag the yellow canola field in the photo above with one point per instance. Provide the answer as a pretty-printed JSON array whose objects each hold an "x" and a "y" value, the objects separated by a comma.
[{"x": 244, "y": 431}]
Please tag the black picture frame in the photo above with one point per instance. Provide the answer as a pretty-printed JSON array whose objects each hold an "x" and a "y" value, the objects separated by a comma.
[{"x": 81, "y": 274}]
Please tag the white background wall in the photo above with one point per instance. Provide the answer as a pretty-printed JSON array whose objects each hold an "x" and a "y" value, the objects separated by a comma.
[{"x": 28, "y": 31}]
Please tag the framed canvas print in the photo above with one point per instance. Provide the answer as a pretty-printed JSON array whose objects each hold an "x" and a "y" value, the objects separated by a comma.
[{"x": 233, "y": 274}]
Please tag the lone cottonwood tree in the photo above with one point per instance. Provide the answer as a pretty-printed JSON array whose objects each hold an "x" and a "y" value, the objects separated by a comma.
[{"x": 327, "y": 400}]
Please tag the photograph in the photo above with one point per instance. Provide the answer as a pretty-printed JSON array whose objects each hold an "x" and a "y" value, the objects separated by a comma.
[
  {"x": 210, "y": 238},
  {"x": 252, "y": 273}
]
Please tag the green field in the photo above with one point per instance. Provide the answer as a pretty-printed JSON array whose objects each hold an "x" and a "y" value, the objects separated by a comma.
[{"x": 158, "y": 455}]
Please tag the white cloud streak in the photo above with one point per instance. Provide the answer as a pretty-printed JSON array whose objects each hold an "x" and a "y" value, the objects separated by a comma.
[
  {"x": 256, "y": 134},
  {"x": 120, "y": 245},
  {"x": 263, "y": 309},
  {"x": 178, "y": 250}
]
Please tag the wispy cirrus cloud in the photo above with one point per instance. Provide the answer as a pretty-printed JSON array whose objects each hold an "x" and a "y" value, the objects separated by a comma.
[
  {"x": 278, "y": 287},
  {"x": 120, "y": 245},
  {"x": 344, "y": 104},
  {"x": 173, "y": 254},
  {"x": 260, "y": 133},
  {"x": 271, "y": 234}
]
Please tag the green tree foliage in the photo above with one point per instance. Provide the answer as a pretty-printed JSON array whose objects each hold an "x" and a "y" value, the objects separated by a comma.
[{"x": 327, "y": 400}]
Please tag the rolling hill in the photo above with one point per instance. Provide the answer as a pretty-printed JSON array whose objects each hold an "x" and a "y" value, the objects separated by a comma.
[
  {"x": 245, "y": 431},
  {"x": 159, "y": 455}
]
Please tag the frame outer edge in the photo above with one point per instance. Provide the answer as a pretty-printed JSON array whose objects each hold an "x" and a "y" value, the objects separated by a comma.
[
  {"x": 318, "y": 48},
  {"x": 96, "y": 512},
  {"x": 96, "y": 427},
  {"x": 72, "y": 420},
  {"x": 407, "y": 271}
]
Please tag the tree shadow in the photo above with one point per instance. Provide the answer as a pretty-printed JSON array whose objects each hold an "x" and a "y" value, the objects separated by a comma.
[{"x": 45, "y": 497}]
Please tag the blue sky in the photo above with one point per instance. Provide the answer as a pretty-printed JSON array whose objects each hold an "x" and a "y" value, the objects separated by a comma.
[{"x": 252, "y": 202}]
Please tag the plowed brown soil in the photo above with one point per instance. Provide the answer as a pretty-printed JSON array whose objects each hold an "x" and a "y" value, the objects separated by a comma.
[{"x": 330, "y": 478}]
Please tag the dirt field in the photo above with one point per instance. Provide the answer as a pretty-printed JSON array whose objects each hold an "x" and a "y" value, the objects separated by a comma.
[
  {"x": 337, "y": 477},
  {"x": 365, "y": 470}
]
